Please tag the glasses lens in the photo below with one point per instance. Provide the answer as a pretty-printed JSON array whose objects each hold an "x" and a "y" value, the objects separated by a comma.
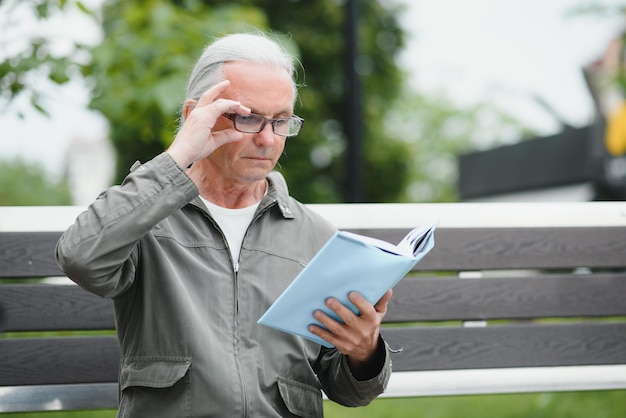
[
  {"x": 251, "y": 123},
  {"x": 287, "y": 126},
  {"x": 255, "y": 123}
]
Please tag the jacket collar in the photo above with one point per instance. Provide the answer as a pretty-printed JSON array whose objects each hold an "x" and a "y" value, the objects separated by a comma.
[{"x": 278, "y": 193}]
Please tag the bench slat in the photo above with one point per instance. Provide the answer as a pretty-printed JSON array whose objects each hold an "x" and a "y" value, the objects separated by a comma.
[
  {"x": 39, "y": 307},
  {"x": 449, "y": 348},
  {"x": 28, "y": 254},
  {"x": 451, "y": 298},
  {"x": 59, "y": 360},
  {"x": 31, "y": 254}
]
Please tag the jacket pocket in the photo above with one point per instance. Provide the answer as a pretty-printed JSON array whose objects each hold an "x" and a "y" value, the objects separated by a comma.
[
  {"x": 155, "y": 387},
  {"x": 301, "y": 399}
]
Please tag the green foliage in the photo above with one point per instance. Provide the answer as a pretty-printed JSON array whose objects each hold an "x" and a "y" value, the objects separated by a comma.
[
  {"x": 436, "y": 131},
  {"x": 608, "y": 404},
  {"x": 37, "y": 60},
  {"x": 27, "y": 184},
  {"x": 141, "y": 67},
  {"x": 315, "y": 167}
]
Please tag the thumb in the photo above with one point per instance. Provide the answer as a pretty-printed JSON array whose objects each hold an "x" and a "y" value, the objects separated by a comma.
[{"x": 381, "y": 305}]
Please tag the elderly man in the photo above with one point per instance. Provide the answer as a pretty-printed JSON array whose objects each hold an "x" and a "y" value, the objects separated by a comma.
[{"x": 197, "y": 243}]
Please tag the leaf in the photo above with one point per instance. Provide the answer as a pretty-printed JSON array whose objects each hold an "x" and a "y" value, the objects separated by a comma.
[
  {"x": 81, "y": 6},
  {"x": 169, "y": 93},
  {"x": 35, "y": 103},
  {"x": 42, "y": 10}
]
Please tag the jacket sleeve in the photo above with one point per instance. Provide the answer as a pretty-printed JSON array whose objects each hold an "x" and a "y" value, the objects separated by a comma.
[
  {"x": 99, "y": 251},
  {"x": 341, "y": 386}
]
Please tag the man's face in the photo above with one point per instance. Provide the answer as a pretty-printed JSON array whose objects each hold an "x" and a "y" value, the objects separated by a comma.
[{"x": 268, "y": 92}]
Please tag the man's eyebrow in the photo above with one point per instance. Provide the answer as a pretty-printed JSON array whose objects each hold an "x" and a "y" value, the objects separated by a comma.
[{"x": 280, "y": 114}]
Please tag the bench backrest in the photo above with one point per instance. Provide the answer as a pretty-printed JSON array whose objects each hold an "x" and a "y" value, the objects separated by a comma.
[{"x": 508, "y": 287}]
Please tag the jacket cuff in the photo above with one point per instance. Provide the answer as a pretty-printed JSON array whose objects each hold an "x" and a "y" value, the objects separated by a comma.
[
  {"x": 377, "y": 384},
  {"x": 175, "y": 174}
]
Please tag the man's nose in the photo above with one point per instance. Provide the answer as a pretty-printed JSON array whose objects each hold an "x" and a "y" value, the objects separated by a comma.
[{"x": 266, "y": 137}]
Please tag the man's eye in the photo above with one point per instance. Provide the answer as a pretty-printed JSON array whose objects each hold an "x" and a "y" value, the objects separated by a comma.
[{"x": 250, "y": 120}]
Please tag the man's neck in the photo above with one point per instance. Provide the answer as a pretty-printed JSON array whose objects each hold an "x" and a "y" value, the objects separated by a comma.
[
  {"x": 232, "y": 195},
  {"x": 236, "y": 197}
]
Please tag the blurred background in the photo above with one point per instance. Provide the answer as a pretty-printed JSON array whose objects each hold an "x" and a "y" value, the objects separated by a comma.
[{"x": 404, "y": 101}]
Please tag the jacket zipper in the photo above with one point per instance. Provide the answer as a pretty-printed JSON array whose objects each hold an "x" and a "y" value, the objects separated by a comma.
[
  {"x": 242, "y": 381},
  {"x": 235, "y": 265},
  {"x": 236, "y": 330}
]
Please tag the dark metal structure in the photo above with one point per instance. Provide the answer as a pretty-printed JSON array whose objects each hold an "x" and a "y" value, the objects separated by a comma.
[
  {"x": 574, "y": 156},
  {"x": 354, "y": 118}
]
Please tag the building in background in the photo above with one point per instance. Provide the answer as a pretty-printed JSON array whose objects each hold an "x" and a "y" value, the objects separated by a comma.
[
  {"x": 90, "y": 168},
  {"x": 577, "y": 164}
]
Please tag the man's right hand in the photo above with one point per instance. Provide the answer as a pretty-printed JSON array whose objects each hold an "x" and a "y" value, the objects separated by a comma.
[{"x": 196, "y": 138}]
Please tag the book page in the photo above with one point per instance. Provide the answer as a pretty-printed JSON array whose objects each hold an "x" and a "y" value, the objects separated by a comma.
[
  {"x": 410, "y": 246},
  {"x": 414, "y": 241}
]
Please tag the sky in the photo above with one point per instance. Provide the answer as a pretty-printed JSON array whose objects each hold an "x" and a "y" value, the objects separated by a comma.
[
  {"x": 503, "y": 52},
  {"x": 507, "y": 52}
]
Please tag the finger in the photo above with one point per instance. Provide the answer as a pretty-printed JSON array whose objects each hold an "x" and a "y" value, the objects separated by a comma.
[
  {"x": 381, "y": 305},
  {"x": 221, "y": 106},
  {"x": 326, "y": 321},
  {"x": 323, "y": 334},
  {"x": 363, "y": 305},
  {"x": 342, "y": 311},
  {"x": 211, "y": 97},
  {"x": 225, "y": 136},
  {"x": 212, "y": 93}
]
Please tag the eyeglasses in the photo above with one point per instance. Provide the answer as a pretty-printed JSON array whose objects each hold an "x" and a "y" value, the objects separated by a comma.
[{"x": 253, "y": 124}]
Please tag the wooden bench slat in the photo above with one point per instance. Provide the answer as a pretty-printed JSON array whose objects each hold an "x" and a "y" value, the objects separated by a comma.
[
  {"x": 28, "y": 254},
  {"x": 39, "y": 307},
  {"x": 463, "y": 249},
  {"x": 449, "y": 348},
  {"x": 59, "y": 360},
  {"x": 31, "y": 254},
  {"x": 448, "y": 299}
]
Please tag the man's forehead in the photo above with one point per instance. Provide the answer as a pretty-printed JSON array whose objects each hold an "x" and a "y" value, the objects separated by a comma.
[{"x": 262, "y": 87}]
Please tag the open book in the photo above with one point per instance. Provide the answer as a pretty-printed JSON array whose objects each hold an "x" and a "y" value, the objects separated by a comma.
[{"x": 347, "y": 262}]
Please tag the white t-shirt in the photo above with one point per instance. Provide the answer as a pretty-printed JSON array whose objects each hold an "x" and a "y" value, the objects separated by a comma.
[{"x": 234, "y": 223}]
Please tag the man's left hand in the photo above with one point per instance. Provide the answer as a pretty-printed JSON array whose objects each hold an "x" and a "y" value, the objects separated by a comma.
[{"x": 358, "y": 336}]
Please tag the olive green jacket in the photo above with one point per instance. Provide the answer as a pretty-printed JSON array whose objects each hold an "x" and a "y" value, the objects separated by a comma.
[{"x": 186, "y": 314}]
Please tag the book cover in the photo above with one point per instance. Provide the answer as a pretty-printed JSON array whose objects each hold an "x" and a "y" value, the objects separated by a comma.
[{"x": 347, "y": 262}]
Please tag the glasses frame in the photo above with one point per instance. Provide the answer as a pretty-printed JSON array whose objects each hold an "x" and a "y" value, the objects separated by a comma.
[{"x": 233, "y": 117}]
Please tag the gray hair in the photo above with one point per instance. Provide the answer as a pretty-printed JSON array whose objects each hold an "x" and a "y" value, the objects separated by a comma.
[{"x": 237, "y": 47}]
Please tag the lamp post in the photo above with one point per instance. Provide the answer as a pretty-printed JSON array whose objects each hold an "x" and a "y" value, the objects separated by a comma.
[{"x": 354, "y": 119}]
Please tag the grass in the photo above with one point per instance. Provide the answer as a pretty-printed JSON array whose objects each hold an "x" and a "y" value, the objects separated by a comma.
[{"x": 600, "y": 404}]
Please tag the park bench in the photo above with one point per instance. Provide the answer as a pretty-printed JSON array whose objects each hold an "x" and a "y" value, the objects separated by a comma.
[{"x": 515, "y": 297}]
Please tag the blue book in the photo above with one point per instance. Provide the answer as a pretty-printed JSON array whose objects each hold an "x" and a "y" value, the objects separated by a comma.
[{"x": 347, "y": 262}]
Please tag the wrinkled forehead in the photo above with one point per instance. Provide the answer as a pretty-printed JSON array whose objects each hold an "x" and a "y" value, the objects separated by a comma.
[{"x": 262, "y": 87}]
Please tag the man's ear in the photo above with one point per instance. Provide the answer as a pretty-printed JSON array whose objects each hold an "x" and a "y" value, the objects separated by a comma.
[{"x": 188, "y": 106}]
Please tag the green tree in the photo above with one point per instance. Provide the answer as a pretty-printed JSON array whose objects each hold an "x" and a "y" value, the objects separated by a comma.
[
  {"x": 37, "y": 59},
  {"x": 27, "y": 184},
  {"x": 140, "y": 69},
  {"x": 436, "y": 132},
  {"x": 318, "y": 29}
]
